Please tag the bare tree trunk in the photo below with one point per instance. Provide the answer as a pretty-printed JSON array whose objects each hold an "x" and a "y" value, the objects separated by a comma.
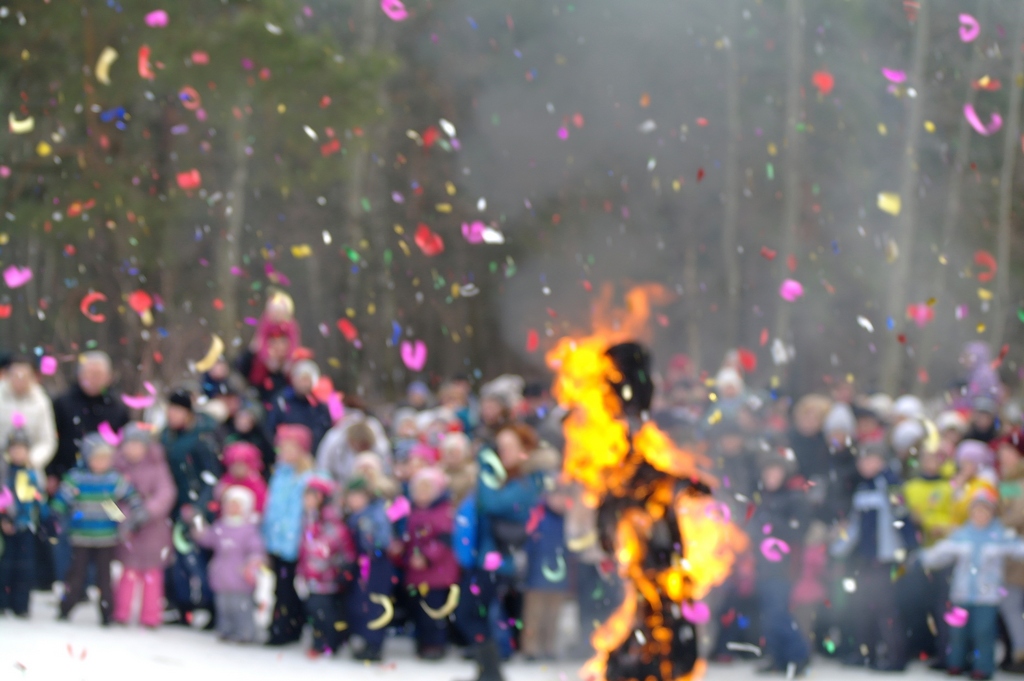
[
  {"x": 793, "y": 141},
  {"x": 1002, "y": 302},
  {"x": 954, "y": 191},
  {"x": 229, "y": 253},
  {"x": 892, "y": 359},
  {"x": 731, "y": 197}
]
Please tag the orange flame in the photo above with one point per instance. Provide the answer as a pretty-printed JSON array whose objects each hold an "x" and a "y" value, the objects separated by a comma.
[{"x": 600, "y": 456}]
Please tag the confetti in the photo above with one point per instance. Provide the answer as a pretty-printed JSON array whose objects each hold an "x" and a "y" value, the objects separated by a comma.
[
  {"x": 157, "y": 18},
  {"x": 20, "y": 127},
  {"x": 889, "y": 202},
  {"x": 994, "y": 124},
  {"x": 970, "y": 29},
  {"x": 212, "y": 355},
  {"x": 823, "y": 81},
  {"x": 414, "y": 355},
  {"x": 791, "y": 290},
  {"x": 894, "y": 76},
  {"x": 394, "y": 10},
  {"x": 16, "y": 277},
  {"x": 106, "y": 59}
]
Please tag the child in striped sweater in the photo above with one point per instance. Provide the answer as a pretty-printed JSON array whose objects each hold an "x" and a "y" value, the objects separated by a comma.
[{"x": 90, "y": 496}]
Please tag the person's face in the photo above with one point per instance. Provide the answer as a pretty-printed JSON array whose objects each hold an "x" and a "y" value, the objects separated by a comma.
[
  {"x": 18, "y": 454},
  {"x": 417, "y": 399},
  {"x": 423, "y": 493},
  {"x": 870, "y": 466},
  {"x": 289, "y": 453},
  {"x": 772, "y": 478},
  {"x": 407, "y": 429},
  {"x": 234, "y": 508},
  {"x": 303, "y": 384},
  {"x": 731, "y": 444},
  {"x": 357, "y": 500},
  {"x": 843, "y": 391},
  {"x": 453, "y": 455},
  {"x": 239, "y": 470},
  {"x": 101, "y": 460},
  {"x": 1009, "y": 457},
  {"x": 950, "y": 437},
  {"x": 491, "y": 411},
  {"x": 969, "y": 469},
  {"x": 178, "y": 417},
  {"x": 220, "y": 370},
  {"x": 511, "y": 450},
  {"x": 244, "y": 422},
  {"x": 866, "y": 425},
  {"x": 311, "y": 500},
  {"x": 981, "y": 515},
  {"x": 982, "y": 420},
  {"x": 134, "y": 450},
  {"x": 22, "y": 378},
  {"x": 930, "y": 463},
  {"x": 807, "y": 422},
  {"x": 277, "y": 350},
  {"x": 93, "y": 378}
]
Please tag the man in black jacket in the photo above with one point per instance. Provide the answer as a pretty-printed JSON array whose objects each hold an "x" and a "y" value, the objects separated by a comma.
[{"x": 79, "y": 412}]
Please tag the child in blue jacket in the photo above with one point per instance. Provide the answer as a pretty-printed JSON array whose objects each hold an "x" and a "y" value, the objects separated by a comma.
[{"x": 19, "y": 523}]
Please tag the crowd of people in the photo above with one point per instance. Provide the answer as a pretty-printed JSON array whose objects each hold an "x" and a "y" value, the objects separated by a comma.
[{"x": 881, "y": 530}]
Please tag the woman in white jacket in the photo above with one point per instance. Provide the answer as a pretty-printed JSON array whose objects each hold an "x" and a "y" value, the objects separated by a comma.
[{"x": 24, "y": 403}]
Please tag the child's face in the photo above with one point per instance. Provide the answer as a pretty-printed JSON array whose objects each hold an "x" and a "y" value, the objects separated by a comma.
[
  {"x": 454, "y": 455},
  {"x": 18, "y": 454},
  {"x": 807, "y": 422},
  {"x": 511, "y": 450},
  {"x": 289, "y": 452},
  {"x": 134, "y": 450},
  {"x": 982, "y": 420},
  {"x": 407, "y": 429},
  {"x": 277, "y": 349},
  {"x": 357, "y": 500},
  {"x": 244, "y": 422},
  {"x": 929, "y": 463},
  {"x": 101, "y": 460},
  {"x": 772, "y": 478},
  {"x": 234, "y": 508},
  {"x": 423, "y": 493},
  {"x": 178, "y": 417},
  {"x": 311, "y": 500},
  {"x": 302, "y": 384},
  {"x": 1009, "y": 457},
  {"x": 239, "y": 470},
  {"x": 491, "y": 411},
  {"x": 968, "y": 469},
  {"x": 981, "y": 515},
  {"x": 870, "y": 466},
  {"x": 220, "y": 370}
]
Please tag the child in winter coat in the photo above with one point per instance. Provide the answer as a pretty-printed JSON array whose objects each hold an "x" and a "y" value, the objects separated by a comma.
[
  {"x": 237, "y": 556},
  {"x": 243, "y": 462},
  {"x": 978, "y": 551},
  {"x": 975, "y": 462},
  {"x": 145, "y": 553},
  {"x": 19, "y": 522},
  {"x": 776, "y": 529},
  {"x": 876, "y": 539},
  {"x": 546, "y": 577},
  {"x": 326, "y": 556},
  {"x": 457, "y": 462},
  {"x": 930, "y": 498},
  {"x": 282, "y": 528},
  {"x": 91, "y": 496},
  {"x": 370, "y": 607},
  {"x": 431, "y": 571}
]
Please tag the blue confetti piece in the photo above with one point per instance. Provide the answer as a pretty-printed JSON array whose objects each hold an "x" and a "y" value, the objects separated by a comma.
[
  {"x": 890, "y": 323},
  {"x": 396, "y": 332},
  {"x": 472, "y": 23},
  {"x": 742, "y": 622},
  {"x": 835, "y": 247}
]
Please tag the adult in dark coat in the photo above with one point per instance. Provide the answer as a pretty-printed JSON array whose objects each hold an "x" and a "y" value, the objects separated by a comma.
[
  {"x": 78, "y": 412},
  {"x": 298, "y": 405}
]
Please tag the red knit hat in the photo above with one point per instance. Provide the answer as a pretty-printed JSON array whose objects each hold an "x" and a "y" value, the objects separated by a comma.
[
  {"x": 322, "y": 485},
  {"x": 243, "y": 452},
  {"x": 297, "y": 433}
]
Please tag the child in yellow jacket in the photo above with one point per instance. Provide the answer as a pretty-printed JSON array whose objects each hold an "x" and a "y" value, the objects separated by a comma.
[{"x": 929, "y": 497}]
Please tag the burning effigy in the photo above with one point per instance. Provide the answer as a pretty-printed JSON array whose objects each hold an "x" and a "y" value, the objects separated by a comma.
[{"x": 671, "y": 542}]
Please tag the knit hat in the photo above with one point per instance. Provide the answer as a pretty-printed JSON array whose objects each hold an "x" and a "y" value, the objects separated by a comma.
[
  {"x": 975, "y": 451},
  {"x": 93, "y": 443},
  {"x": 418, "y": 388},
  {"x": 881, "y": 404},
  {"x": 181, "y": 398},
  {"x": 908, "y": 407},
  {"x": 137, "y": 432},
  {"x": 985, "y": 405},
  {"x": 840, "y": 418},
  {"x": 305, "y": 367},
  {"x": 729, "y": 378},
  {"x": 951, "y": 420},
  {"x": 243, "y": 495},
  {"x": 19, "y": 436},
  {"x": 907, "y": 435},
  {"x": 243, "y": 452},
  {"x": 321, "y": 485},
  {"x": 985, "y": 495},
  {"x": 783, "y": 458},
  {"x": 295, "y": 432},
  {"x": 424, "y": 452}
]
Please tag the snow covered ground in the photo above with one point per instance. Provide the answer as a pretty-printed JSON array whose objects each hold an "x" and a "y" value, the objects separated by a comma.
[{"x": 46, "y": 650}]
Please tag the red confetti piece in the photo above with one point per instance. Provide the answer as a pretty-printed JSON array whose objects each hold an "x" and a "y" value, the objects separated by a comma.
[
  {"x": 348, "y": 330},
  {"x": 764, "y": 337},
  {"x": 767, "y": 253},
  {"x": 429, "y": 241},
  {"x": 86, "y": 304},
  {"x": 986, "y": 260},
  {"x": 700, "y": 174},
  {"x": 140, "y": 301},
  {"x": 430, "y": 136},
  {"x": 190, "y": 179},
  {"x": 532, "y": 340},
  {"x": 791, "y": 262},
  {"x": 824, "y": 81}
]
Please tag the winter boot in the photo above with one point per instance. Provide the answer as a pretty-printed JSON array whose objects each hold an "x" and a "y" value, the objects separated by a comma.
[{"x": 488, "y": 662}]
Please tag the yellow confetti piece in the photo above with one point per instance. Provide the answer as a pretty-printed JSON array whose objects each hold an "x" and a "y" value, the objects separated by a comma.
[
  {"x": 772, "y": 149},
  {"x": 106, "y": 59},
  {"x": 334, "y": 362},
  {"x": 929, "y": 126},
  {"x": 715, "y": 417},
  {"x": 882, "y": 130},
  {"x": 371, "y": 308},
  {"x": 443, "y": 208},
  {"x": 676, "y": 185},
  {"x": 890, "y": 202},
  {"x": 281, "y": 108},
  {"x": 20, "y": 127},
  {"x": 981, "y": 328},
  {"x": 984, "y": 294},
  {"x": 44, "y": 149},
  {"x": 301, "y": 251},
  {"x": 405, "y": 247},
  {"x": 450, "y": 188}
]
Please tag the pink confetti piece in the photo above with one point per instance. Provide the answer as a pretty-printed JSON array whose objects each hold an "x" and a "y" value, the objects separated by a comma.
[
  {"x": 791, "y": 290},
  {"x": 141, "y": 401},
  {"x": 15, "y": 276},
  {"x": 492, "y": 561},
  {"x": 394, "y": 9},
  {"x": 108, "y": 434},
  {"x": 970, "y": 29},
  {"x": 414, "y": 355},
  {"x": 563, "y": 133},
  {"x": 894, "y": 76},
  {"x": 5, "y": 171},
  {"x": 697, "y": 612},
  {"x": 18, "y": 419},
  {"x": 774, "y": 549},
  {"x": 336, "y": 407},
  {"x": 6, "y": 499},
  {"x": 956, "y": 618},
  {"x": 157, "y": 18},
  {"x": 48, "y": 365},
  {"x": 399, "y": 508},
  {"x": 995, "y": 122},
  {"x": 474, "y": 231}
]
